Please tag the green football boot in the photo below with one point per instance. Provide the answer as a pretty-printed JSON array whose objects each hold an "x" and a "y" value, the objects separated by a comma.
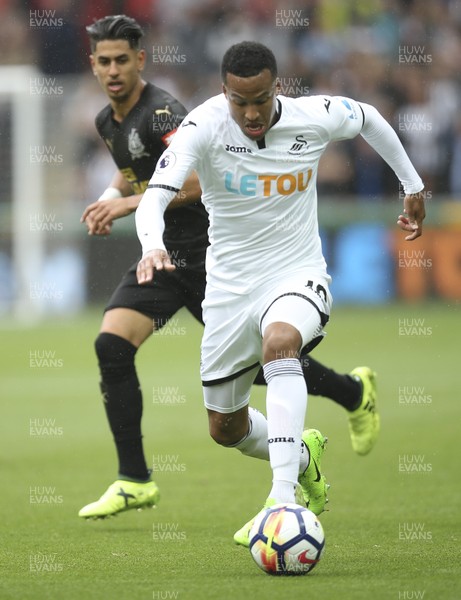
[
  {"x": 121, "y": 496},
  {"x": 364, "y": 423},
  {"x": 312, "y": 482},
  {"x": 242, "y": 536}
]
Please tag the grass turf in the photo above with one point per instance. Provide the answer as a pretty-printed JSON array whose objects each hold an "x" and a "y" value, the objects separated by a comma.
[{"x": 394, "y": 520}]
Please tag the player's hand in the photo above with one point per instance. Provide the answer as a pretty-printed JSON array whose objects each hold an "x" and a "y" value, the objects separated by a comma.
[
  {"x": 95, "y": 228},
  {"x": 99, "y": 215},
  {"x": 154, "y": 260},
  {"x": 413, "y": 215}
]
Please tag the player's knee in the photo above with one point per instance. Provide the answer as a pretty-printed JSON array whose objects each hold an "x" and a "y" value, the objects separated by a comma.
[
  {"x": 222, "y": 436},
  {"x": 225, "y": 433},
  {"x": 102, "y": 347},
  {"x": 115, "y": 356},
  {"x": 110, "y": 347},
  {"x": 281, "y": 340}
]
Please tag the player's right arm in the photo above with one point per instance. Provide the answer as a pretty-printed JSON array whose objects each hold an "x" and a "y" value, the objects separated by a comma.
[
  {"x": 115, "y": 202},
  {"x": 150, "y": 225},
  {"x": 172, "y": 170},
  {"x": 150, "y": 222}
]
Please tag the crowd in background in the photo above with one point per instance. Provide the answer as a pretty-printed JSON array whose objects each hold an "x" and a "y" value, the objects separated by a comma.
[{"x": 402, "y": 56}]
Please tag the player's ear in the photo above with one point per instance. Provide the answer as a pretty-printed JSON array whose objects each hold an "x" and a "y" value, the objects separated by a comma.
[
  {"x": 278, "y": 86},
  {"x": 141, "y": 60},
  {"x": 93, "y": 64},
  {"x": 224, "y": 90}
]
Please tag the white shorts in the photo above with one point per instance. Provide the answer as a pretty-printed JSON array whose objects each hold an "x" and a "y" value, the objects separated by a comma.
[{"x": 235, "y": 324}]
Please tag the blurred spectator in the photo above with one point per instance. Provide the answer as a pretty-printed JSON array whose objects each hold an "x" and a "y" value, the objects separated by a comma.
[
  {"x": 16, "y": 45},
  {"x": 401, "y": 56}
]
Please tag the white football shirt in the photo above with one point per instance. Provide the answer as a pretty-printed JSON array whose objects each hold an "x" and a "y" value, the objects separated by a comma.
[{"x": 261, "y": 196}]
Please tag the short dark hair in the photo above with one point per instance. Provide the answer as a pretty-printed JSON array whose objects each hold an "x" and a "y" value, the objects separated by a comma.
[
  {"x": 247, "y": 59},
  {"x": 115, "y": 27}
]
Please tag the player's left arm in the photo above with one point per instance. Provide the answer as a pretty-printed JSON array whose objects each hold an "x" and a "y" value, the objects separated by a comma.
[
  {"x": 413, "y": 216},
  {"x": 382, "y": 137}
]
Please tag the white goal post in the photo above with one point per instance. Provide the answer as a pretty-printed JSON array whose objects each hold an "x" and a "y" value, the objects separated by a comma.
[{"x": 27, "y": 183}]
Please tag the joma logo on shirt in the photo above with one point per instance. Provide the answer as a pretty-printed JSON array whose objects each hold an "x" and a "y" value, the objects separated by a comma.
[
  {"x": 238, "y": 149},
  {"x": 285, "y": 184}
]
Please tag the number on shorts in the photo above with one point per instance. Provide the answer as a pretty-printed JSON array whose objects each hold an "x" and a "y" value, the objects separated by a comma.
[{"x": 320, "y": 290}]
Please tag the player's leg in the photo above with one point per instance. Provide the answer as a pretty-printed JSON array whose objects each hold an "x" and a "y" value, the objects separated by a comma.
[
  {"x": 292, "y": 322},
  {"x": 122, "y": 332},
  {"x": 293, "y": 317},
  {"x": 323, "y": 381},
  {"x": 286, "y": 402},
  {"x": 344, "y": 389},
  {"x": 354, "y": 391},
  {"x": 132, "y": 314},
  {"x": 230, "y": 359},
  {"x": 232, "y": 423}
]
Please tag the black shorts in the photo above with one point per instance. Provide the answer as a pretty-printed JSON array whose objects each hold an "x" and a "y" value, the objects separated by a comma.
[{"x": 165, "y": 295}]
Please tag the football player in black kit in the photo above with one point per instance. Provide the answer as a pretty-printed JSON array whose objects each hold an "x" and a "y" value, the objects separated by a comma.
[{"x": 136, "y": 126}]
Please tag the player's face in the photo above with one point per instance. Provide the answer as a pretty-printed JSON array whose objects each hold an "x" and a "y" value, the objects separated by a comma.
[
  {"x": 118, "y": 68},
  {"x": 252, "y": 102}
]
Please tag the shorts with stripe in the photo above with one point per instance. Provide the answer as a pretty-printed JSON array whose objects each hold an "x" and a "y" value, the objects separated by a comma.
[{"x": 234, "y": 324}]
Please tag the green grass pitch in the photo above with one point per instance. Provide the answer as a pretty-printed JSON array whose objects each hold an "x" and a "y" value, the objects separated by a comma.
[{"x": 393, "y": 528}]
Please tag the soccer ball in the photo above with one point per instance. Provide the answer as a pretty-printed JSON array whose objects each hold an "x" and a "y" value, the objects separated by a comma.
[{"x": 287, "y": 539}]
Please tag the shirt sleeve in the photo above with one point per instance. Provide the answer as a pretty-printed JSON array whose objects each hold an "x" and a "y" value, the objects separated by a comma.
[
  {"x": 381, "y": 136},
  {"x": 171, "y": 171},
  {"x": 344, "y": 117}
]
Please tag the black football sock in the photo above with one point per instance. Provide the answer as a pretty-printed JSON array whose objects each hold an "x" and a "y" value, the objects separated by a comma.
[
  {"x": 322, "y": 381},
  {"x": 123, "y": 403}
]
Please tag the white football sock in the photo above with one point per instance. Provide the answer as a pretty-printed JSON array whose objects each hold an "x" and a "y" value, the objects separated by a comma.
[
  {"x": 286, "y": 401},
  {"x": 255, "y": 442}
]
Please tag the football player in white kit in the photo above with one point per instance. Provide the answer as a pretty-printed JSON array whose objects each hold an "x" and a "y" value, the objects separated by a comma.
[{"x": 267, "y": 297}]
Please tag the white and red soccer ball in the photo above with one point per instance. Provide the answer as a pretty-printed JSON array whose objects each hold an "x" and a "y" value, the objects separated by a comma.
[{"x": 287, "y": 539}]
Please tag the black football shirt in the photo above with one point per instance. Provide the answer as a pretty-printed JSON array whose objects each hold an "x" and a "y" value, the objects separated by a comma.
[{"x": 136, "y": 145}]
